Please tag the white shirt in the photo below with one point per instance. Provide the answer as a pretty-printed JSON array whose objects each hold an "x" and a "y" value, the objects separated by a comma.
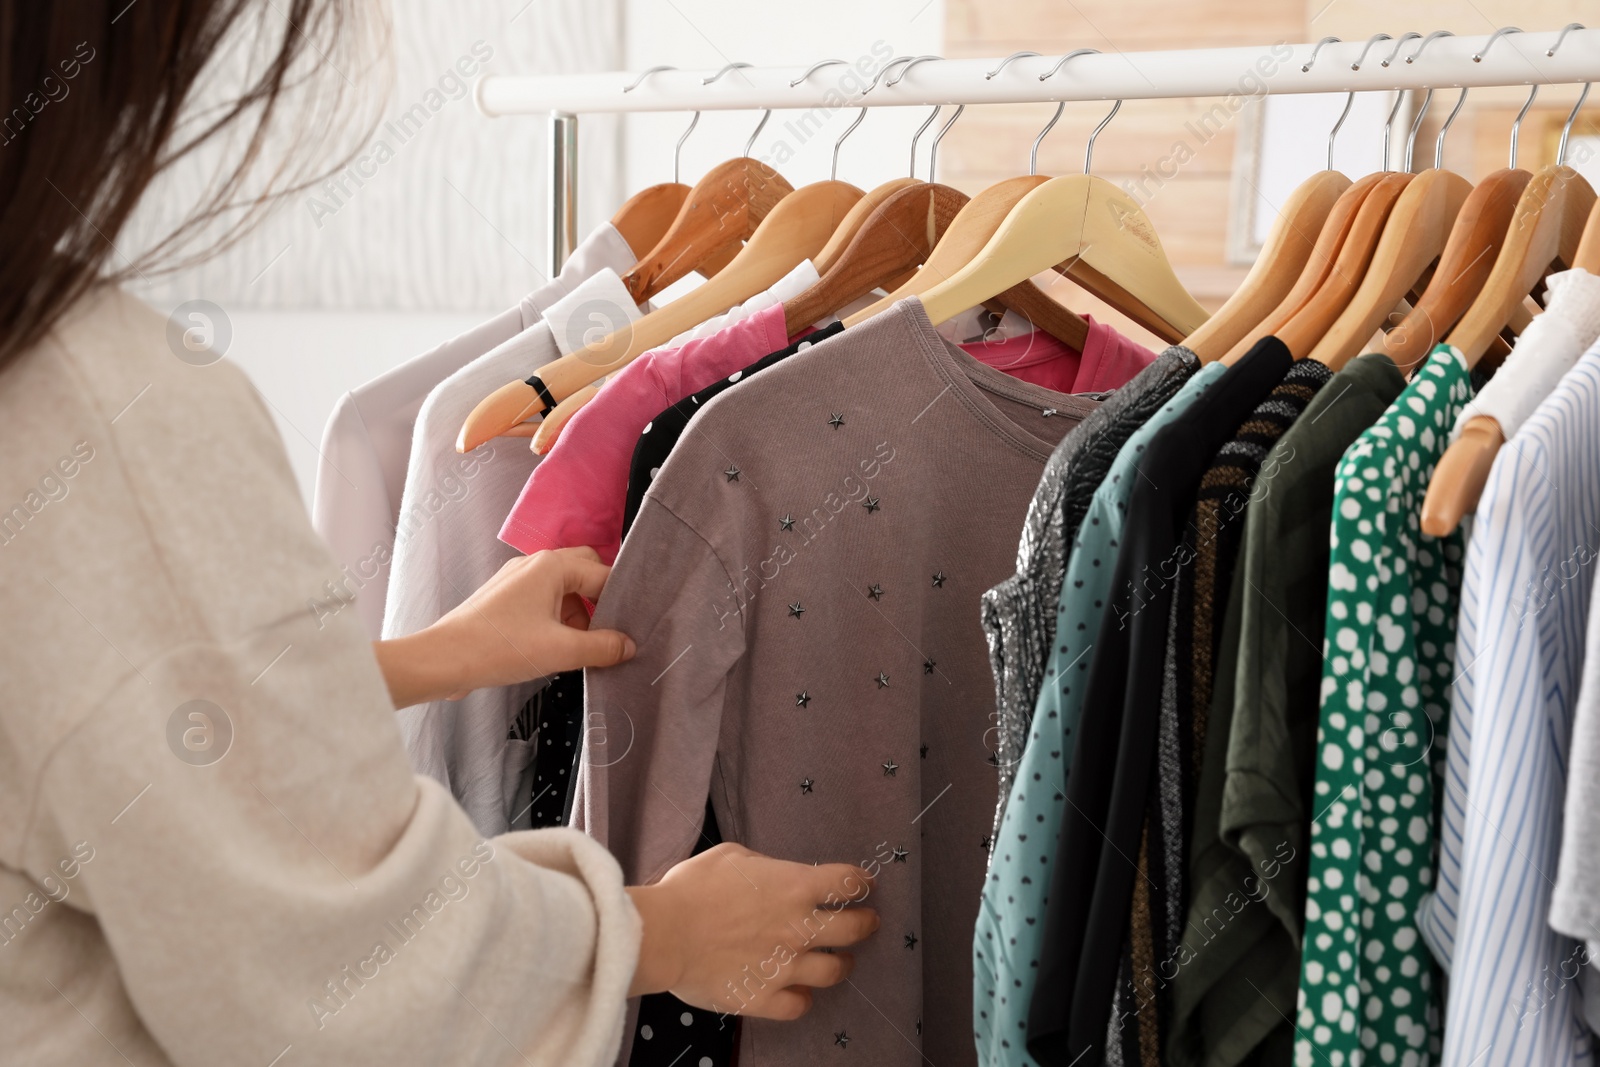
[
  {"x": 1544, "y": 352},
  {"x": 1519, "y": 653},
  {"x": 1547, "y": 349},
  {"x": 363, "y": 461},
  {"x": 446, "y": 547}
]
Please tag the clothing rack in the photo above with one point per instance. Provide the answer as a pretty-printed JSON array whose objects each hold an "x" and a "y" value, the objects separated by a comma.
[{"x": 1378, "y": 64}]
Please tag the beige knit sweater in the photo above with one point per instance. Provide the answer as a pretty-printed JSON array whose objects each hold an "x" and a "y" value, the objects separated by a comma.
[{"x": 213, "y": 849}]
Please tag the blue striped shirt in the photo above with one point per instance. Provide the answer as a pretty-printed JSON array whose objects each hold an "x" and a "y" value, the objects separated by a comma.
[{"x": 1514, "y": 998}]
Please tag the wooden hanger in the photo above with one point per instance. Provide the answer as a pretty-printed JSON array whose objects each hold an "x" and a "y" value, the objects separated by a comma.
[
  {"x": 1104, "y": 238},
  {"x": 1547, "y": 229},
  {"x": 1324, "y": 256},
  {"x": 857, "y": 218},
  {"x": 1414, "y": 236},
  {"x": 1092, "y": 231},
  {"x": 724, "y": 208},
  {"x": 972, "y": 229},
  {"x": 1588, "y": 254},
  {"x": 644, "y": 220},
  {"x": 1468, "y": 257},
  {"x": 550, "y": 427},
  {"x": 1288, "y": 248},
  {"x": 795, "y": 230},
  {"x": 896, "y": 237},
  {"x": 1341, "y": 221},
  {"x": 1313, "y": 321}
]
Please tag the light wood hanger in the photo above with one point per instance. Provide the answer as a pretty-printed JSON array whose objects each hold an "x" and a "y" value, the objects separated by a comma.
[
  {"x": 1313, "y": 321},
  {"x": 1546, "y": 232},
  {"x": 972, "y": 229},
  {"x": 724, "y": 208},
  {"x": 548, "y": 429},
  {"x": 1468, "y": 255},
  {"x": 898, "y": 236},
  {"x": 1341, "y": 219},
  {"x": 1282, "y": 262},
  {"x": 1301, "y": 248},
  {"x": 853, "y": 221},
  {"x": 1321, "y": 262},
  {"x": 1588, "y": 254},
  {"x": 796, "y": 229},
  {"x": 1102, "y": 236},
  {"x": 1414, "y": 236}
]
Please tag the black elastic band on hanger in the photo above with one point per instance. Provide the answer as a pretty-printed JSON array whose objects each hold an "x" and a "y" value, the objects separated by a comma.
[{"x": 544, "y": 394}]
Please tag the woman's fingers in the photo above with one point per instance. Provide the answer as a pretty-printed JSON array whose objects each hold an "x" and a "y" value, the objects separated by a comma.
[
  {"x": 839, "y": 882},
  {"x": 819, "y": 970},
  {"x": 785, "y": 1005},
  {"x": 582, "y": 572},
  {"x": 846, "y": 927},
  {"x": 595, "y": 648}
]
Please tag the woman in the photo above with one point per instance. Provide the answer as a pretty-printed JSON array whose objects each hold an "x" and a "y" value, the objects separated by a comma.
[{"x": 215, "y": 850}]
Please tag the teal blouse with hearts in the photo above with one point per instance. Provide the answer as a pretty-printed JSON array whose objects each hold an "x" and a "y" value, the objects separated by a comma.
[{"x": 1368, "y": 989}]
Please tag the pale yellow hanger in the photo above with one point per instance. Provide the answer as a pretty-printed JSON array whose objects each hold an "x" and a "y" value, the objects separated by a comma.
[{"x": 1099, "y": 232}]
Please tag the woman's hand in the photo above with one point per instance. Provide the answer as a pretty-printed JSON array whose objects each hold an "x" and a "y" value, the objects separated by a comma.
[
  {"x": 528, "y": 621},
  {"x": 734, "y": 931}
]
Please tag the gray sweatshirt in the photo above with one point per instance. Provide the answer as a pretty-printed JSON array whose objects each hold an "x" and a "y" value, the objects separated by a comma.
[{"x": 803, "y": 582}]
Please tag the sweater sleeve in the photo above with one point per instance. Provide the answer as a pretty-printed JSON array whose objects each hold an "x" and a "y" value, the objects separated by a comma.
[
  {"x": 267, "y": 872},
  {"x": 652, "y": 725}
]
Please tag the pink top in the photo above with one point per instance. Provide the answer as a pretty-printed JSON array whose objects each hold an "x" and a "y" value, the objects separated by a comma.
[
  {"x": 1108, "y": 360},
  {"x": 577, "y": 493}
]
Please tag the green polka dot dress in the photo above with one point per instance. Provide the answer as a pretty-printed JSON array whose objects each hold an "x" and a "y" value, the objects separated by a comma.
[{"x": 1368, "y": 989}]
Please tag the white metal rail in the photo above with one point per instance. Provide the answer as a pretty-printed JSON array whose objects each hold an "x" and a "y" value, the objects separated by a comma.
[{"x": 1507, "y": 58}]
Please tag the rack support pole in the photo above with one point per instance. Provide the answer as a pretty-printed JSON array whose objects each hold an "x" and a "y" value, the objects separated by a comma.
[{"x": 563, "y": 186}]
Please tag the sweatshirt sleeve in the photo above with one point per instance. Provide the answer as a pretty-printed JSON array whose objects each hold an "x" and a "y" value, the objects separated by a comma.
[
  {"x": 269, "y": 874},
  {"x": 652, "y": 725}
]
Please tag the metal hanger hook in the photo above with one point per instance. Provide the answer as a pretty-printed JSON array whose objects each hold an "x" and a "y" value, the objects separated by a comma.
[
  {"x": 900, "y": 75},
  {"x": 1493, "y": 37},
  {"x": 1416, "y": 124},
  {"x": 1088, "y": 152},
  {"x": 1568, "y": 28},
  {"x": 1399, "y": 43},
  {"x": 1074, "y": 54},
  {"x": 1516, "y": 127},
  {"x": 677, "y": 153},
  {"x": 1033, "y": 156},
  {"x": 1438, "y": 145},
  {"x": 918, "y": 135},
  {"x": 724, "y": 70},
  {"x": 1388, "y": 126},
  {"x": 933, "y": 153},
  {"x": 1426, "y": 41},
  {"x": 640, "y": 79},
  {"x": 813, "y": 69},
  {"x": 1374, "y": 39},
  {"x": 995, "y": 73},
  {"x": 1350, "y": 98},
  {"x": 1566, "y": 131},
  {"x": 860, "y": 118},
  {"x": 1314, "y": 50},
  {"x": 751, "y": 143},
  {"x": 909, "y": 62}
]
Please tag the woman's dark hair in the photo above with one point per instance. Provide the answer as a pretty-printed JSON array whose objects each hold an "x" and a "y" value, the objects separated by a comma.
[{"x": 98, "y": 99}]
